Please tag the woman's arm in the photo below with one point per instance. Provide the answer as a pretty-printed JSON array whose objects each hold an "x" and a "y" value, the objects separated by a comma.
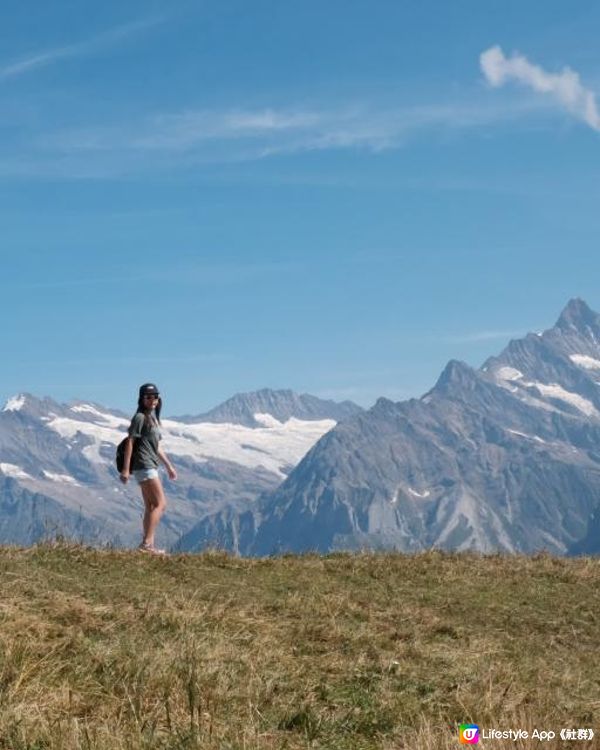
[
  {"x": 167, "y": 464},
  {"x": 127, "y": 460}
]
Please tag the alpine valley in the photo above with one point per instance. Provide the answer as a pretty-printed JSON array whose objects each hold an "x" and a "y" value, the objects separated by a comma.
[{"x": 501, "y": 458}]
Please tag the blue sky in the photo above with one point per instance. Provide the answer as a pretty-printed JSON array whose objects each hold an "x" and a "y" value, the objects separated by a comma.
[{"x": 331, "y": 197}]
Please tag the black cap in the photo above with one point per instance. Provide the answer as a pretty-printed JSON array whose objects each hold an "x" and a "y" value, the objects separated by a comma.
[{"x": 148, "y": 389}]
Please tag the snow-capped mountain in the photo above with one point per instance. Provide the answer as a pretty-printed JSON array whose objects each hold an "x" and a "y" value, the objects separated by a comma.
[
  {"x": 57, "y": 470},
  {"x": 504, "y": 458},
  {"x": 282, "y": 405}
]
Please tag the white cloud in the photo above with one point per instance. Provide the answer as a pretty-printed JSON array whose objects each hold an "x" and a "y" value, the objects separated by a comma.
[
  {"x": 185, "y": 130},
  {"x": 189, "y": 138},
  {"x": 265, "y": 132},
  {"x": 565, "y": 87},
  {"x": 47, "y": 57},
  {"x": 270, "y": 119}
]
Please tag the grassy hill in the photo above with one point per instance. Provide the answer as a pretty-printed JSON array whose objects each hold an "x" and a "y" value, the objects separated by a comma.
[{"x": 112, "y": 650}]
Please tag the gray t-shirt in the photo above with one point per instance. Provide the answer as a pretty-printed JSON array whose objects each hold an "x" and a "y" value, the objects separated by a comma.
[{"x": 147, "y": 435}]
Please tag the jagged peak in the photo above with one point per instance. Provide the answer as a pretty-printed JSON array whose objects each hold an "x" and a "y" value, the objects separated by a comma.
[
  {"x": 383, "y": 406},
  {"x": 577, "y": 315},
  {"x": 281, "y": 404},
  {"x": 26, "y": 403},
  {"x": 456, "y": 372},
  {"x": 24, "y": 400}
]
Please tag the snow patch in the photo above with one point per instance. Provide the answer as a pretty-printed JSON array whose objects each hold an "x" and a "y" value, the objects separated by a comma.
[
  {"x": 89, "y": 409},
  {"x": 557, "y": 391},
  {"x": 582, "y": 360},
  {"x": 528, "y": 437},
  {"x": 274, "y": 445},
  {"x": 551, "y": 390},
  {"x": 267, "y": 420},
  {"x": 14, "y": 404},
  {"x": 117, "y": 423},
  {"x": 60, "y": 478},
  {"x": 16, "y": 472},
  {"x": 508, "y": 373},
  {"x": 414, "y": 493},
  {"x": 112, "y": 434}
]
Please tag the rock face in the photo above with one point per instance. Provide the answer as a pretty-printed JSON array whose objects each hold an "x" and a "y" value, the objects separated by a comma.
[
  {"x": 504, "y": 458},
  {"x": 27, "y": 516},
  {"x": 57, "y": 474}
]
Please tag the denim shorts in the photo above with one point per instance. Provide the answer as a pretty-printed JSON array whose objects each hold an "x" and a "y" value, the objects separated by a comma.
[{"x": 142, "y": 475}]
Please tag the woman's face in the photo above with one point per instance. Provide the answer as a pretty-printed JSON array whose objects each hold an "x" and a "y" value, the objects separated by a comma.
[{"x": 150, "y": 400}]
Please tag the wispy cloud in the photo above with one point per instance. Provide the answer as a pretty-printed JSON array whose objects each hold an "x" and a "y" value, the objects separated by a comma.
[
  {"x": 250, "y": 134},
  {"x": 77, "y": 49},
  {"x": 184, "y": 140},
  {"x": 285, "y": 131},
  {"x": 564, "y": 87},
  {"x": 184, "y": 131}
]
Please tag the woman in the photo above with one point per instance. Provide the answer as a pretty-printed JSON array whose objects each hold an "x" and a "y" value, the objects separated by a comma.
[{"x": 144, "y": 429}]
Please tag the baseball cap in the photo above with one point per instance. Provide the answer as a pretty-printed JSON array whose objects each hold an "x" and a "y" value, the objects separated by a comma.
[{"x": 148, "y": 389}]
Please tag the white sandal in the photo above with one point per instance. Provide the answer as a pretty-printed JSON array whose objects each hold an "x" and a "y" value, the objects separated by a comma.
[{"x": 145, "y": 547}]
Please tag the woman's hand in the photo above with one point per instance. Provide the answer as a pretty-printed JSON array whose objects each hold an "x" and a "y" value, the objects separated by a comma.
[
  {"x": 124, "y": 476},
  {"x": 171, "y": 473}
]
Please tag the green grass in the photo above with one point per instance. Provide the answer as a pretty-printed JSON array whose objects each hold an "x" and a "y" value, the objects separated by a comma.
[{"x": 110, "y": 650}]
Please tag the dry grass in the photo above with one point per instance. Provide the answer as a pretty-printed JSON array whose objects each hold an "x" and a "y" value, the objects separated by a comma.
[{"x": 109, "y": 650}]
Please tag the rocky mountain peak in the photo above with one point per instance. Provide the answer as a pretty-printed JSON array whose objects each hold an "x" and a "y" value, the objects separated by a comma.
[
  {"x": 383, "y": 407},
  {"x": 578, "y": 317},
  {"x": 25, "y": 403},
  {"x": 456, "y": 374},
  {"x": 280, "y": 404}
]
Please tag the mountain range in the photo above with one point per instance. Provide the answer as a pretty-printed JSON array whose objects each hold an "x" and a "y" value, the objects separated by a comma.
[
  {"x": 505, "y": 457},
  {"x": 58, "y": 476},
  {"x": 501, "y": 458}
]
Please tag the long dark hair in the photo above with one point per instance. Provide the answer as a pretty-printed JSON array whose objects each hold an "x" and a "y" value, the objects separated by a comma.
[{"x": 157, "y": 408}]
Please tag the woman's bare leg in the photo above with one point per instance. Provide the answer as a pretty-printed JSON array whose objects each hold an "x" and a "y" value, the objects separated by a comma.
[{"x": 155, "y": 504}]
